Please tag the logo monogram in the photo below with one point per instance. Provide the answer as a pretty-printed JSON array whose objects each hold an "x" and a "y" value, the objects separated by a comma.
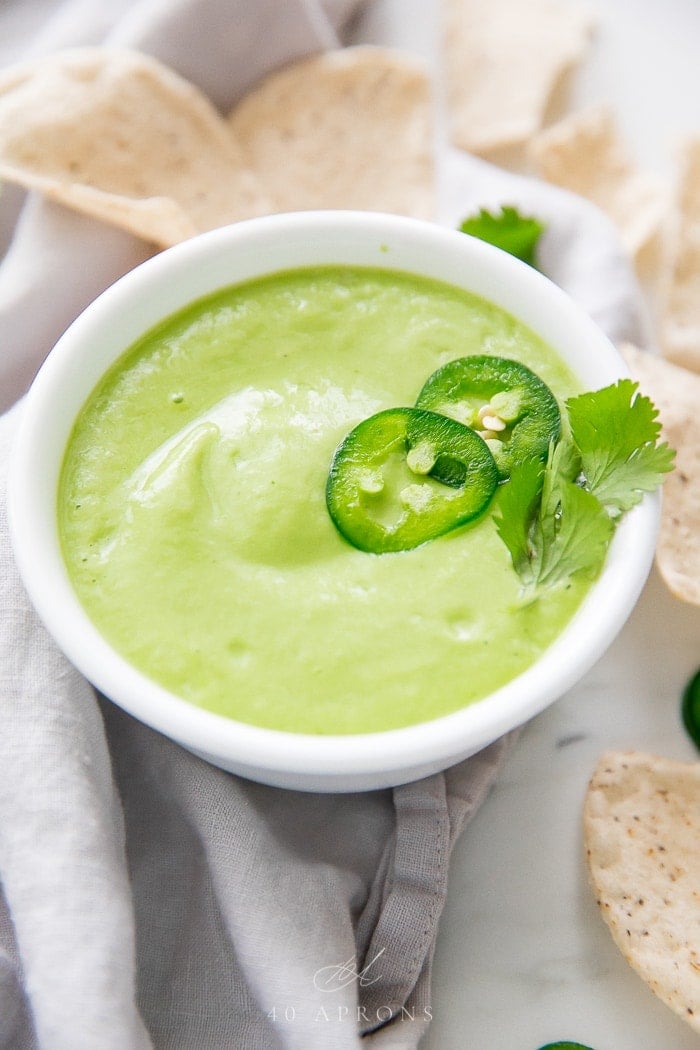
[{"x": 332, "y": 978}]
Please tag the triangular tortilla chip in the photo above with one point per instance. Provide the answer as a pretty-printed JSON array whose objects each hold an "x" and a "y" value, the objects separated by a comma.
[
  {"x": 680, "y": 295},
  {"x": 117, "y": 135},
  {"x": 676, "y": 394},
  {"x": 584, "y": 154},
  {"x": 503, "y": 60},
  {"x": 642, "y": 834},
  {"x": 346, "y": 129}
]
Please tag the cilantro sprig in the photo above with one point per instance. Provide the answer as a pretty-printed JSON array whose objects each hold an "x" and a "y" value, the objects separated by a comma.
[
  {"x": 553, "y": 528},
  {"x": 557, "y": 518},
  {"x": 508, "y": 229},
  {"x": 616, "y": 431}
]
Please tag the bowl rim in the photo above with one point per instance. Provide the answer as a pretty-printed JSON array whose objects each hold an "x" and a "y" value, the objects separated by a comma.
[{"x": 275, "y": 756}]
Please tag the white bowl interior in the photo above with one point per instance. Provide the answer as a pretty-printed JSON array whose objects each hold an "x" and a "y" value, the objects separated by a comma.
[{"x": 230, "y": 255}]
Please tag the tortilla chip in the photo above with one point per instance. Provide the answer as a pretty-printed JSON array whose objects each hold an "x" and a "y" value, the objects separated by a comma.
[
  {"x": 117, "y": 135},
  {"x": 503, "y": 60},
  {"x": 642, "y": 834},
  {"x": 346, "y": 129},
  {"x": 583, "y": 153},
  {"x": 680, "y": 320},
  {"x": 676, "y": 393}
]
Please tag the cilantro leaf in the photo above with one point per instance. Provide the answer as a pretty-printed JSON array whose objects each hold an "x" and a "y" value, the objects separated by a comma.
[
  {"x": 514, "y": 233},
  {"x": 563, "y": 464},
  {"x": 616, "y": 432},
  {"x": 552, "y": 527},
  {"x": 517, "y": 506},
  {"x": 579, "y": 541},
  {"x": 557, "y": 521}
]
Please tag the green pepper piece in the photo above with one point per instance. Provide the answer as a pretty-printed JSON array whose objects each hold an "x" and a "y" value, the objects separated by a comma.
[
  {"x": 502, "y": 399},
  {"x": 382, "y": 493},
  {"x": 565, "y": 1046},
  {"x": 690, "y": 708}
]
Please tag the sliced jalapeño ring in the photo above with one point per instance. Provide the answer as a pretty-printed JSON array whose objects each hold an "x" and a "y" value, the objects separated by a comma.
[
  {"x": 508, "y": 405},
  {"x": 565, "y": 1046},
  {"x": 690, "y": 708},
  {"x": 383, "y": 493}
]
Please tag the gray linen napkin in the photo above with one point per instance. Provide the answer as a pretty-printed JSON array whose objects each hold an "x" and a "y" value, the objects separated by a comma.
[{"x": 148, "y": 899}]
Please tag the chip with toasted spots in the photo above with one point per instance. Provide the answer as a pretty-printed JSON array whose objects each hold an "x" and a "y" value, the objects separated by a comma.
[
  {"x": 117, "y": 135},
  {"x": 584, "y": 153},
  {"x": 676, "y": 394},
  {"x": 503, "y": 61},
  {"x": 642, "y": 836},
  {"x": 680, "y": 293},
  {"x": 345, "y": 129}
]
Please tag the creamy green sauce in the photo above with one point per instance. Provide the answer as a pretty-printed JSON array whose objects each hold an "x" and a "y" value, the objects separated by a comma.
[{"x": 194, "y": 526}]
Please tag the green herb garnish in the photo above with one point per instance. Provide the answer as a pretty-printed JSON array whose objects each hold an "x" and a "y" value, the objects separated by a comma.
[
  {"x": 557, "y": 522},
  {"x": 553, "y": 528},
  {"x": 515, "y": 233},
  {"x": 518, "y": 510},
  {"x": 616, "y": 431}
]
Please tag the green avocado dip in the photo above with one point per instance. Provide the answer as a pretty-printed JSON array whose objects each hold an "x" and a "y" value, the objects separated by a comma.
[{"x": 194, "y": 525}]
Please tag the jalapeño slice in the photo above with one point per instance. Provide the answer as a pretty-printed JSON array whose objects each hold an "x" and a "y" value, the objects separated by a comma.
[
  {"x": 690, "y": 709},
  {"x": 383, "y": 492},
  {"x": 507, "y": 404},
  {"x": 565, "y": 1046}
]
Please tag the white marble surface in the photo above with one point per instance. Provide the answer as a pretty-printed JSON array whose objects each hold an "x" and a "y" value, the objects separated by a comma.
[{"x": 523, "y": 957}]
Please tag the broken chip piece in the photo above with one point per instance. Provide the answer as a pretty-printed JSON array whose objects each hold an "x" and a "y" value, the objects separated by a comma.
[
  {"x": 676, "y": 393},
  {"x": 642, "y": 836},
  {"x": 345, "y": 129},
  {"x": 502, "y": 62},
  {"x": 680, "y": 311},
  {"x": 119, "y": 136},
  {"x": 584, "y": 154}
]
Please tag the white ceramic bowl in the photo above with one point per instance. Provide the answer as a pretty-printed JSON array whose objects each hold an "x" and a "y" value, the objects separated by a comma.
[{"x": 226, "y": 256}]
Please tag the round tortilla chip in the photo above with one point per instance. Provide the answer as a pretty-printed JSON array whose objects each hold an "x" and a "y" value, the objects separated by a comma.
[
  {"x": 642, "y": 835},
  {"x": 117, "y": 135},
  {"x": 676, "y": 394},
  {"x": 345, "y": 129}
]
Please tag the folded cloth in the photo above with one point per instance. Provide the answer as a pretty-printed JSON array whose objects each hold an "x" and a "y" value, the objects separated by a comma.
[{"x": 149, "y": 899}]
